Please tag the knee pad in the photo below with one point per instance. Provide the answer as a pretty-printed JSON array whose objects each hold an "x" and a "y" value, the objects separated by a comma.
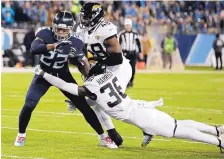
[{"x": 31, "y": 104}]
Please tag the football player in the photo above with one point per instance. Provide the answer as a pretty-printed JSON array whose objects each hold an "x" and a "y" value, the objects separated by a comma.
[
  {"x": 105, "y": 89},
  {"x": 55, "y": 45},
  {"x": 100, "y": 36}
]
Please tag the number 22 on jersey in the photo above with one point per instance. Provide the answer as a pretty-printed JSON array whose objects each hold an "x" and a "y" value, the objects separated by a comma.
[{"x": 54, "y": 59}]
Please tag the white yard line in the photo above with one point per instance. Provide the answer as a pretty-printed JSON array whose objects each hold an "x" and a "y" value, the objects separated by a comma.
[
  {"x": 91, "y": 134},
  {"x": 14, "y": 116},
  {"x": 75, "y": 70},
  {"x": 215, "y": 111},
  {"x": 45, "y": 112},
  {"x": 12, "y": 156}
]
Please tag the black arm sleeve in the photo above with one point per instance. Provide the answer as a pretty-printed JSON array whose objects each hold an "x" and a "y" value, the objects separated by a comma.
[
  {"x": 138, "y": 44},
  {"x": 84, "y": 50},
  {"x": 120, "y": 39},
  {"x": 37, "y": 47},
  {"x": 113, "y": 59}
]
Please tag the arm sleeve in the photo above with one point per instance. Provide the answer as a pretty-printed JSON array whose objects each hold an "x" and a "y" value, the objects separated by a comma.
[
  {"x": 38, "y": 47},
  {"x": 61, "y": 84},
  {"x": 138, "y": 44},
  {"x": 120, "y": 39}
]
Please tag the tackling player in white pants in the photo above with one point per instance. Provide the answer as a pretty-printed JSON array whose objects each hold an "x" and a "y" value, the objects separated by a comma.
[
  {"x": 100, "y": 37},
  {"x": 105, "y": 89}
]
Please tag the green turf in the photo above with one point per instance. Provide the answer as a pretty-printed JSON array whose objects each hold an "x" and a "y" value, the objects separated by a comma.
[
  {"x": 200, "y": 68},
  {"x": 65, "y": 136}
]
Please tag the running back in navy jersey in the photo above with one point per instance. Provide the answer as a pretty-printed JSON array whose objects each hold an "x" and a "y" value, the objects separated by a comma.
[{"x": 56, "y": 61}]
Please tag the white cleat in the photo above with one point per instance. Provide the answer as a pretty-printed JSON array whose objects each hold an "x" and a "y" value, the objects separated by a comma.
[
  {"x": 107, "y": 142},
  {"x": 20, "y": 140},
  {"x": 220, "y": 130}
]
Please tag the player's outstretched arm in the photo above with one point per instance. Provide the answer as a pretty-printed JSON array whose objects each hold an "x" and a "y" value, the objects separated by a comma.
[
  {"x": 61, "y": 84},
  {"x": 38, "y": 46},
  {"x": 57, "y": 82}
]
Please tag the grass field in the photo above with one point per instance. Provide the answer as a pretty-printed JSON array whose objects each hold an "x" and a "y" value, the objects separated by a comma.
[{"x": 53, "y": 133}]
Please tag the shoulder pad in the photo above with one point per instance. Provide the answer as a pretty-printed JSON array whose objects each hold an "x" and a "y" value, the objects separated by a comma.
[
  {"x": 45, "y": 34},
  {"x": 79, "y": 35},
  {"x": 108, "y": 29},
  {"x": 76, "y": 42}
]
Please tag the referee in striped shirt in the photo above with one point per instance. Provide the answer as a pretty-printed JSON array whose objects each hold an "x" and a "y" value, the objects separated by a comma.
[{"x": 130, "y": 45}]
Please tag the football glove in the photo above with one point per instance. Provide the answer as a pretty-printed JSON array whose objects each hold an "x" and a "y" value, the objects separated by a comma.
[
  {"x": 38, "y": 71},
  {"x": 62, "y": 43},
  {"x": 71, "y": 107}
]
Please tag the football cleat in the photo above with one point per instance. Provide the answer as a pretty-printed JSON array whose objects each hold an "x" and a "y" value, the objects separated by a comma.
[
  {"x": 107, "y": 142},
  {"x": 221, "y": 142},
  {"x": 146, "y": 140},
  {"x": 220, "y": 130},
  {"x": 20, "y": 140}
]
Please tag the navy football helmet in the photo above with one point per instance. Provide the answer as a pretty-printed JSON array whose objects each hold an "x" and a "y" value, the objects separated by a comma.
[
  {"x": 90, "y": 15},
  {"x": 62, "y": 25}
]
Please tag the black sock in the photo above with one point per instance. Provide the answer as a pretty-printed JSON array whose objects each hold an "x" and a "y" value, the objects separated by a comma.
[
  {"x": 24, "y": 118},
  {"x": 147, "y": 134},
  {"x": 115, "y": 136}
]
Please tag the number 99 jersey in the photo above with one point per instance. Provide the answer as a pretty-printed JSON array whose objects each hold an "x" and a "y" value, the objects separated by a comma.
[
  {"x": 110, "y": 97},
  {"x": 95, "y": 38}
]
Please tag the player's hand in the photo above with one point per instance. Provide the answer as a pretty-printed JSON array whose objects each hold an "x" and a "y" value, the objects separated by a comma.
[
  {"x": 71, "y": 107},
  {"x": 38, "y": 71},
  {"x": 61, "y": 43},
  {"x": 72, "y": 53}
]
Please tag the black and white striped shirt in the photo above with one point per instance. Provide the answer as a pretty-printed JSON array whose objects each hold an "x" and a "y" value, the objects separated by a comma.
[{"x": 129, "y": 41}]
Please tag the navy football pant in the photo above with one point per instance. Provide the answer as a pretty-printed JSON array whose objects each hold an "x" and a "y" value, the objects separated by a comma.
[{"x": 39, "y": 87}]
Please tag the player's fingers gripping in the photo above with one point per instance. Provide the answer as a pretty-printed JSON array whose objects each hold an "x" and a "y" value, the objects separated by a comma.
[
  {"x": 71, "y": 107},
  {"x": 63, "y": 42},
  {"x": 37, "y": 70},
  {"x": 72, "y": 52}
]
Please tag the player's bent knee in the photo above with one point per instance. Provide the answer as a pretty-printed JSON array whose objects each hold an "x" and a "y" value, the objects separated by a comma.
[{"x": 30, "y": 103}]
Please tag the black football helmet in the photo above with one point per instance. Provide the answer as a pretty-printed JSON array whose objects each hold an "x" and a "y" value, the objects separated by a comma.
[
  {"x": 63, "y": 20},
  {"x": 90, "y": 15}
]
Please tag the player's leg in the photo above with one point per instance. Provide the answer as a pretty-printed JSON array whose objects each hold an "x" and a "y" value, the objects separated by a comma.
[
  {"x": 133, "y": 65},
  {"x": 164, "y": 125},
  {"x": 202, "y": 127},
  {"x": 170, "y": 60},
  {"x": 106, "y": 121},
  {"x": 37, "y": 89},
  {"x": 193, "y": 134},
  {"x": 87, "y": 111}
]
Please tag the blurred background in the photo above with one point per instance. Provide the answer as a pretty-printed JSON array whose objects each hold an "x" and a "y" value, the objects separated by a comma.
[{"x": 195, "y": 26}]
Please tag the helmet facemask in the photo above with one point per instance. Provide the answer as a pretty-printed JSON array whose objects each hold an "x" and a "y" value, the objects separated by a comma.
[
  {"x": 62, "y": 31},
  {"x": 89, "y": 19}
]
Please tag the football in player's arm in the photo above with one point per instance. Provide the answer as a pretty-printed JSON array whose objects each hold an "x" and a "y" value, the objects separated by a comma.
[
  {"x": 55, "y": 46},
  {"x": 136, "y": 112}
]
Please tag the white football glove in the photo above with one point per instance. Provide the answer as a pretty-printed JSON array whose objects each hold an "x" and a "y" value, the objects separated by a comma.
[
  {"x": 71, "y": 107},
  {"x": 38, "y": 70}
]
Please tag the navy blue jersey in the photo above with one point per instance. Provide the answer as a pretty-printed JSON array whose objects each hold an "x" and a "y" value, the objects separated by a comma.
[{"x": 57, "y": 61}]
